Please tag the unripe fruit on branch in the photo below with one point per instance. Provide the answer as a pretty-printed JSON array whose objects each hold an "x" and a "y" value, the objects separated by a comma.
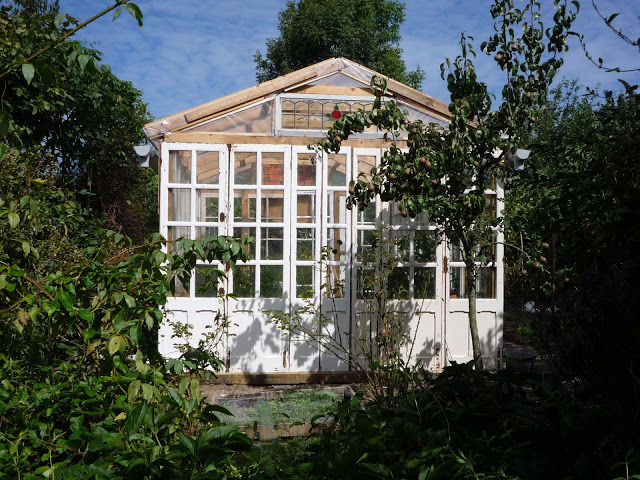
[{"x": 426, "y": 163}]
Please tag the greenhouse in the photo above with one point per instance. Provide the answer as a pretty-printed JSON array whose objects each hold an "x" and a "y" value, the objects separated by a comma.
[{"x": 244, "y": 165}]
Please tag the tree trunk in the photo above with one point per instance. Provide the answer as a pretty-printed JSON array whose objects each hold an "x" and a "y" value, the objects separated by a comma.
[{"x": 470, "y": 280}]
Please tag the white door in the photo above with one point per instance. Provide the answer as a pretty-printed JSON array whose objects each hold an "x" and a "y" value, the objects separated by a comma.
[
  {"x": 258, "y": 206},
  {"x": 192, "y": 195}
]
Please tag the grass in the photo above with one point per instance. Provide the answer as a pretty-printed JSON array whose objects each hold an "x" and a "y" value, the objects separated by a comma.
[{"x": 295, "y": 406}]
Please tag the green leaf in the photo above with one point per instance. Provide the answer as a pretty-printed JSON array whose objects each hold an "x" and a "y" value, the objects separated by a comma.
[
  {"x": 135, "y": 419},
  {"x": 116, "y": 343},
  {"x": 135, "y": 12},
  {"x": 147, "y": 392},
  {"x": 135, "y": 333},
  {"x": 65, "y": 300},
  {"x": 129, "y": 300},
  {"x": 28, "y": 71},
  {"x": 196, "y": 392},
  {"x": 188, "y": 442},
  {"x": 117, "y": 13},
  {"x": 60, "y": 17},
  {"x": 85, "y": 315},
  {"x": 132, "y": 391},
  {"x": 14, "y": 219},
  {"x": 166, "y": 417},
  {"x": 177, "y": 367},
  {"x": 82, "y": 61},
  {"x": 26, "y": 248}
]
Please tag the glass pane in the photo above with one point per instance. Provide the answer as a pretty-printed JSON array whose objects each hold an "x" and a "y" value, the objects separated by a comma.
[
  {"x": 306, "y": 244},
  {"x": 401, "y": 241},
  {"x": 337, "y": 243},
  {"x": 304, "y": 282},
  {"x": 306, "y": 207},
  {"x": 207, "y": 200},
  {"x": 424, "y": 246},
  {"x": 456, "y": 282},
  {"x": 424, "y": 282},
  {"x": 206, "y": 281},
  {"x": 208, "y": 167},
  {"x": 368, "y": 214},
  {"x": 179, "y": 205},
  {"x": 271, "y": 281},
  {"x": 490, "y": 205},
  {"x": 241, "y": 232},
  {"x": 397, "y": 219},
  {"x": 180, "y": 166},
  {"x": 336, "y": 207},
  {"x": 173, "y": 235},
  {"x": 337, "y": 168},
  {"x": 244, "y": 281},
  {"x": 272, "y": 168},
  {"x": 365, "y": 164},
  {"x": 244, "y": 206},
  {"x": 246, "y": 168},
  {"x": 202, "y": 232},
  {"x": 368, "y": 241},
  {"x": 456, "y": 253},
  {"x": 287, "y": 114},
  {"x": 272, "y": 206},
  {"x": 306, "y": 169},
  {"x": 335, "y": 281},
  {"x": 398, "y": 283},
  {"x": 486, "y": 283},
  {"x": 182, "y": 290},
  {"x": 271, "y": 243},
  {"x": 366, "y": 279}
]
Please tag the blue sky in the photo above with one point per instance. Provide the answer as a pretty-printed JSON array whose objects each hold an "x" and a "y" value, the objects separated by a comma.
[{"x": 190, "y": 52}]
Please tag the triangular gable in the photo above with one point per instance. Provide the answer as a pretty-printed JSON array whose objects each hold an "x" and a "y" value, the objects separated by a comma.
[{"x": 251, "y": 111}]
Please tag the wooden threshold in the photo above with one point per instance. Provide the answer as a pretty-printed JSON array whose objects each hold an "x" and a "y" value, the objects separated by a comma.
[{"x": 288, "y": 378}]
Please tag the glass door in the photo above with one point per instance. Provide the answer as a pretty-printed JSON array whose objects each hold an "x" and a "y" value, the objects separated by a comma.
[{"x": 258, "y": 206}]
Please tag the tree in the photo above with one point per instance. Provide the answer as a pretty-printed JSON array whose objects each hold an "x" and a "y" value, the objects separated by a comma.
[
  {"x": 446, "y": 172},
  {"x": 78, "y": 111},
  {"x": 575, "y": 209},
  {"x": 608, "y": 21},
  {"x": 365, "y": 31}
]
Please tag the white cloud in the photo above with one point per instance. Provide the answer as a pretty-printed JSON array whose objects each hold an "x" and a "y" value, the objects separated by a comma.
[{"x": 190, "y": 52}]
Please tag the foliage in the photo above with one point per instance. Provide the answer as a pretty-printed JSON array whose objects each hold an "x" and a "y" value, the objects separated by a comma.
[
  {"x": 289, "y": 407},
  {"x": 66, "y": 423},
  {"x": 575, "y": 210},
  {"x": 467, "y": 424},
  {"x": 375, "y": 347},
  {"x": 84, "y": 392},
  {"x": 608, "y": 21},
  {"x": 365, "y": 31},
  {"x": 75, "y": 108},
  {"x": 447, "y": 172}
]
